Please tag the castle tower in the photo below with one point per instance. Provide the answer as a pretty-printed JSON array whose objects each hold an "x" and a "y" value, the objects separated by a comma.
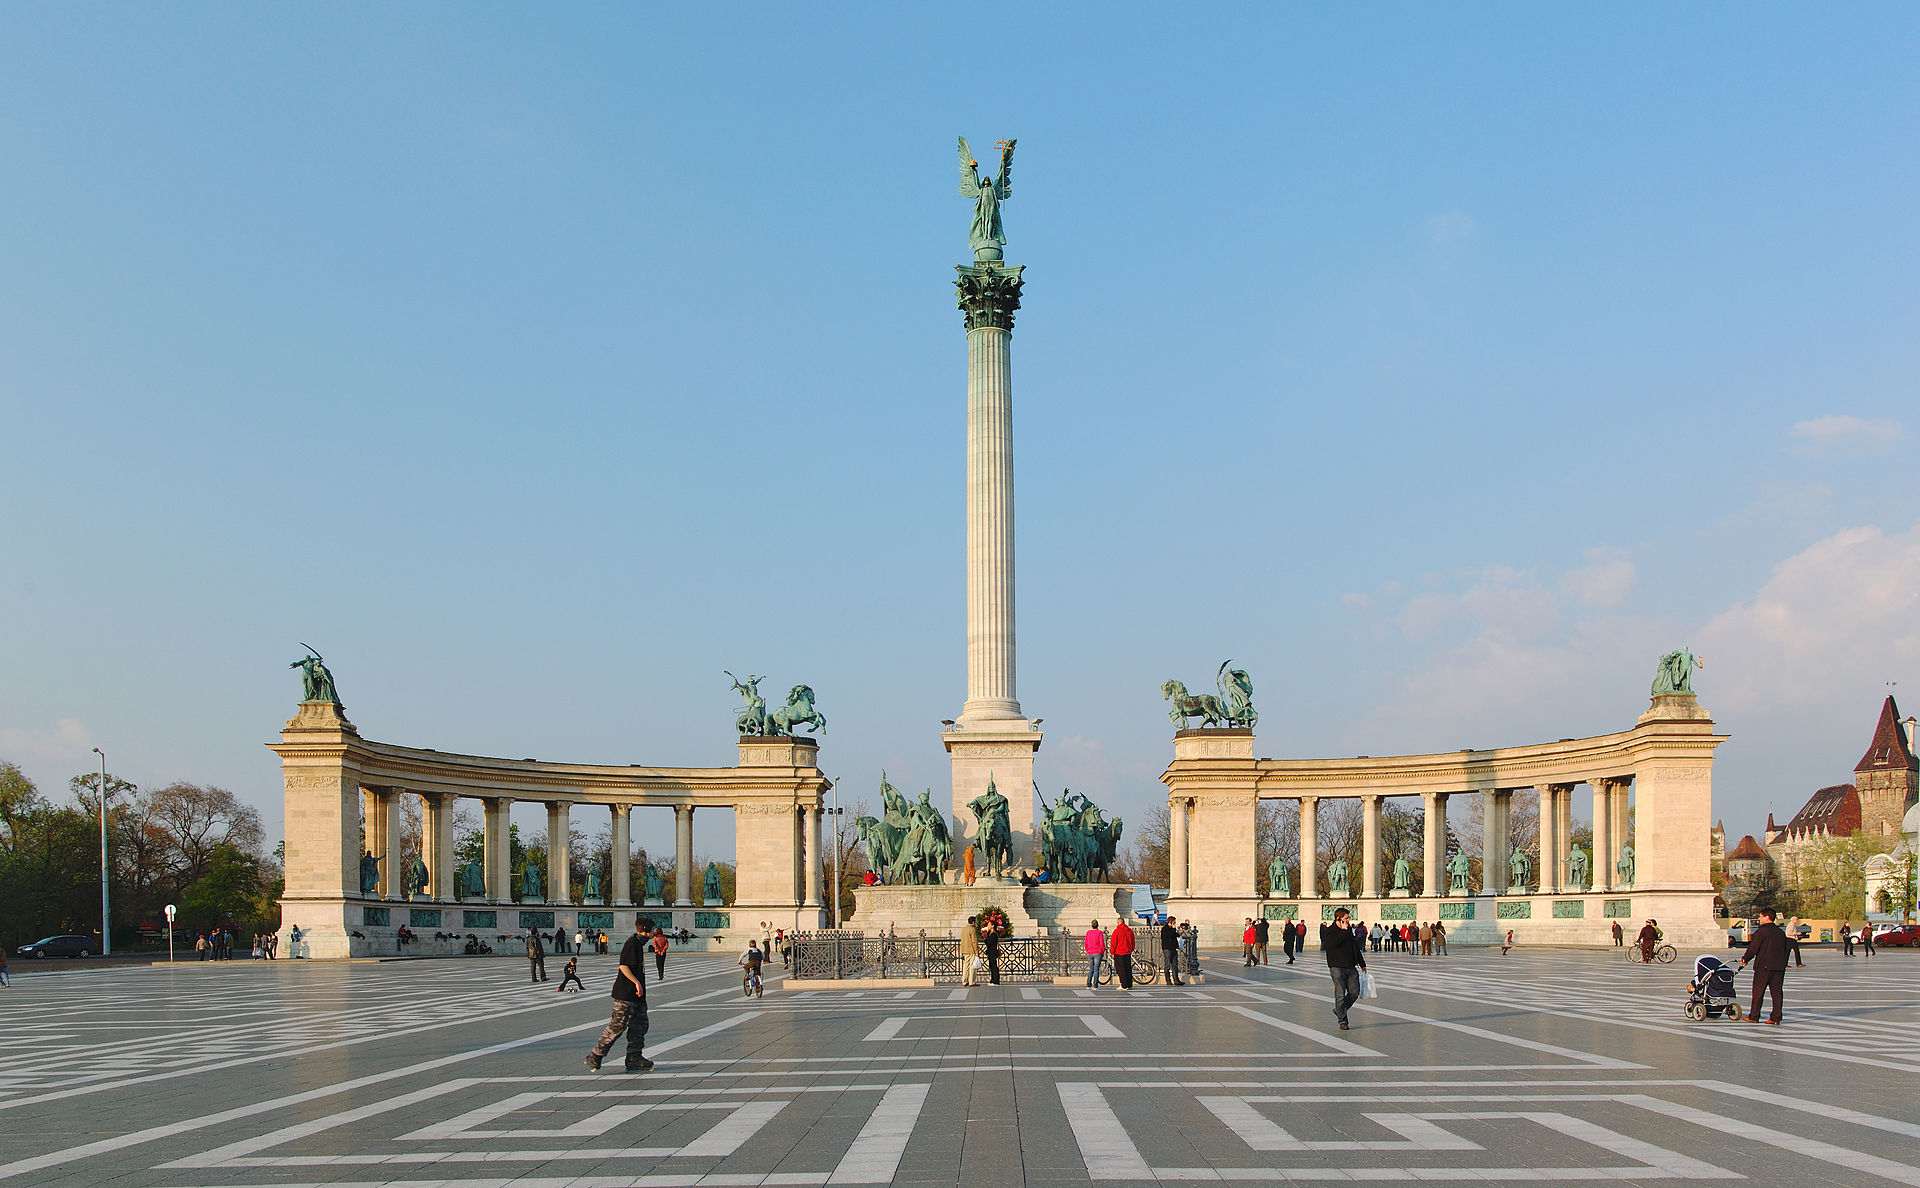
[{"x": 1888, "y": 777}]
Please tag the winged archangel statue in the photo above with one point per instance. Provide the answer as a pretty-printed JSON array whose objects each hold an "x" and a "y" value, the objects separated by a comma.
[{"x": 987, "y": 236}]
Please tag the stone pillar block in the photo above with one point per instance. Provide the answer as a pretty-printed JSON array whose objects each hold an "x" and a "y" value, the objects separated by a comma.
[
  {"x": 1177, "y": 809},
  {"x": 622, "y": 860},
  {"x": 1000, "y": 750},
  {"x": 683, "y": 855}
]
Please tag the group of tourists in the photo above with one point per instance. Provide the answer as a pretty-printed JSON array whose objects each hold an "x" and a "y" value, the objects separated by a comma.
[
  {"x": 218, "y": 945},
  {"x": 1179, "y": 946},
  {"x": 655, "y": 937},
  {"x": 1424, "y": 940},
  {"x": 1866, "y": 939}
]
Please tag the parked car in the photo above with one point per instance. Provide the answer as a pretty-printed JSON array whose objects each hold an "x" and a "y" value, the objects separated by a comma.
[
  {"x": 1907, "y": 935},
  {"x": 60, "y": 946}
]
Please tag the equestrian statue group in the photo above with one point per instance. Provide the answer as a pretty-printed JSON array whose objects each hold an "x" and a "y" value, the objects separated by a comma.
[
  {"x": 755, "y": 719},
  {"x": 1232, "y": 709},
  {"x": 1077, "y": 840},
  {"x": 909, "y": 846}
]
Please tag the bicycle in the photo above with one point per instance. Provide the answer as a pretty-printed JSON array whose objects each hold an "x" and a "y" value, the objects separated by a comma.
[
  {"x": 1145, "y": 970},
  {"x": 1662, "y": 955}
]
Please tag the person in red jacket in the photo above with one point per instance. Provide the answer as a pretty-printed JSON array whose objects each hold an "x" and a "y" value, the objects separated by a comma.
[
  {"x": 1247, "y": 943},
  {"x": 1122, "y": 946}
]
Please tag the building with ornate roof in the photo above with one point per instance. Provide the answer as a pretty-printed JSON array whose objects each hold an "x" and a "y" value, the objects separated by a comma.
[{"x": 1885, "y": 784}]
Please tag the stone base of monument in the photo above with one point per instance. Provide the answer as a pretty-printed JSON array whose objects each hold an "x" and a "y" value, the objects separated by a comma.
[
  {"x": 943, "y": 910},
  {"x": 593, "y": 902}
]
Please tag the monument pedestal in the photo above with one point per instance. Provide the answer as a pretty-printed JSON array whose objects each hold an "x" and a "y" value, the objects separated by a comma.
[
  {"x": 1000, "y": 749},
  {"x": 1033, "y": 911}
]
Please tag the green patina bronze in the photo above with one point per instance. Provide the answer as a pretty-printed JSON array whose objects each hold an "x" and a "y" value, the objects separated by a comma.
[
  {"x": 1569, "y": 909},
  {"x": 1329, "y": 910},
  {"x": 1458, "y": 869},
  {"x": 752, "y": 718},
  {"x": 755, "y": 720},
  {"x": 316, "y": 683},
  {"x": 369, "y": 872},
  {"x": 530, "y": 885},
  {"x": 473, "y": 881},
  {"x": 656, "y": 886},
  {"x": 1231, "y": 708},
  {"x": 1623, "y": 869},
  {"x": 991, "y": 810},
  {"x": 1397, "y": 911},
  {"x": 423, "y": 917},
  {"x": 986, "y": 236},
  {"x": 376, "y": 917},
  {"x": 1456, "y": 911},
  {"x": 595, "y": 919},
  {"x": 530, "y": 920},
  {"x": 711, "y": 921},
  {"x": 1616, "y": 909},
  {"x": 1279, "y": 877},
  {"x": 594, "y": 880},
  {"x": 1579, "y": 869},
  {"x": 1077, "y": 840},
  {"x": 710, "y": 887},
  {"x": 910, "y": 846},
  {"x": 416, "y": 878},
  {"x": 1514, "y": 909},
  {"x": 1280, "y": 911},
  {"x": 1339, "y": 878},
  {"x": 1519, "y": 869},
  {"x": 1675, "y": 675},
  {"x": 1402, "y": 874},
  {"x": 471, "y": 919}
]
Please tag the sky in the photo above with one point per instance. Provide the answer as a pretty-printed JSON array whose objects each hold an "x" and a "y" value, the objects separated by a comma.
[{"x": 1441, "y": 368}]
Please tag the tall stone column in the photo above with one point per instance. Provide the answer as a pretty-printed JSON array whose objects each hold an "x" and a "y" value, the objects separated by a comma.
[
  {"x": 1603, "y": 852},
  {"x": 1370, "y": 846},
  {"x": 812, "y": 856},
  {"x": 991, "y": 739},
  {"x": 559, "y": 861},
  {"x": 1433, "y": 879},
  {"x": 1563, "y": 833},
  {"x": 436, "y": 843},
  {"x": 1550, "y": 841},
  {"x": 1493, "y": 848},
  {"x": 1622, "y": 818},
  {"x": 497, "y": 859},
  {"x": 1309, "y": 847},
  {"x": 683, "y": 855},
  {"x": 1177, "y": 847},
  {"x": 622, "y": 859}
]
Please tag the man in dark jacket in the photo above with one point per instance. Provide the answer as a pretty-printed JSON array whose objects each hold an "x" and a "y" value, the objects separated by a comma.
[
  {"x": 536, "y": 957},
  {"x": 1169, "y": 952},
  {"x": 1344, "y": 962},
  {"x": 1289, "y": 940},
  {"x": 1767, "y": 950},
  {"x": 629, "y": 1005},
  {"x": 1260, "y": 938}
]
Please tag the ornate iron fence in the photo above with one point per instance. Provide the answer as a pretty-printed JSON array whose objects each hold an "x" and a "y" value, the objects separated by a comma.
[{"x": 830, "y": 954}]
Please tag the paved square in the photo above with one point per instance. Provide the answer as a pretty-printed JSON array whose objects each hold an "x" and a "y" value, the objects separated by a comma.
[{"x": 1542, "y": 1066}]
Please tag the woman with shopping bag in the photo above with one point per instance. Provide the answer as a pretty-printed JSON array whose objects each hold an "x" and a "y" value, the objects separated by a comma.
[{"x": 1345, "y": 962}]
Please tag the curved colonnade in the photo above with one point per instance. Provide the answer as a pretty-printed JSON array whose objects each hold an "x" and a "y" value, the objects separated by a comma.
[
  {"x": 1663, "y": 766},
  {"x": 330, "y": 772}
]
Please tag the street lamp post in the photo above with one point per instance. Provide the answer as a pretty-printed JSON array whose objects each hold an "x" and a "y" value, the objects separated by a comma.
[
  {"x": 106, "y": 922},
  {"x": 836, "y": 856}
]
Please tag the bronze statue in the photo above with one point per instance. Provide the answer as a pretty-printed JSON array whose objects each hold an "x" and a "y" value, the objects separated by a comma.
[
  {"x": 986, "y": 236},
  {"x": 316, "y": 683},
  {"x": 369, "y": 872},
  {"x": 996, "y": 837},
  {"x": 1675, "y": 674},
  {"x": 752, "y": 719},
  {"x": 416, "y": 878}
]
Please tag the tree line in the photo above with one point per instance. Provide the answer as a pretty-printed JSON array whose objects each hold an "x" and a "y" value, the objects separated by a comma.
[{"x": 199, "y": 848}]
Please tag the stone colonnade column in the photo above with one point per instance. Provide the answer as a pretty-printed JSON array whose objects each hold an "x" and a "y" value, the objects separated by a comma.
[
  {"x": 622, "y": 859},
  {"x": 811, "y": 855},
  {"x": 1309, "y": 848},
  {"x": 1622, "y": 822},
  {"x": 559, "y": 861},
  {"x": 393, "y": 822},
  {"x": 1603, "y": 856},
  {"x": 1177, "y": 847},
  {"x": 1434, "y": 854},
  {"x": 1551, "y": 843},
  {"x": 1493, "y": 848},
  {"x": 1563, "y": 833},
  {"x": 436, "y": 843},
  {"x": 497, "y": 859},
  {"x": 683, "y": 855},
  {"x": 1370, "y": 846}
]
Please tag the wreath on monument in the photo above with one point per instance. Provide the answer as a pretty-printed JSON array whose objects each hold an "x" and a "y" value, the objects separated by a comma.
[{"x": 994, "y": 920}]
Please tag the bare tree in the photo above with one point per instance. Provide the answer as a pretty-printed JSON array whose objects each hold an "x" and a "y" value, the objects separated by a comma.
[{"x": 1276, "y": 831}]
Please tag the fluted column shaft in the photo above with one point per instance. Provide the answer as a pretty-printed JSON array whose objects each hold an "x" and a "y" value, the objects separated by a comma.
[
  {"x": 1603, "y": 855},
  {"x": 1309, "y": 847},
  {"x": 1551, "y": 843},
  {"x": 1370, "y": 846},
  {"x": 622, "y": 859},
  {"x": 1563, "y": 833},
  {"x": 1493, "y": 847},
  {"x": 812, "y": 858},
  {"x": 1177, "y": 848},
  {"x": 497, "y": 861},
  {"x": 990, "y": 572},
  {"x": 559, "y": 841},
  {"x": 1434, "y": 856},
  {"x": 436, "y": 843}
]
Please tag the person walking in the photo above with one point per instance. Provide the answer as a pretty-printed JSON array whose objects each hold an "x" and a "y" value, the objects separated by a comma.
[
  {"x": 1618, "y": 934},
  {"x": 970, "y": 952},
  {"x": 1096, "y": 946},
  {"x": 1846, "y": 938},
  {"x": 1345, "y": 962},
  {"x": 1286, "y": 940},
  {"x": 579, "y": 941},
  {"x": 1440, "y": 938},
  {"x": 1123, "y": 941},
  {"x": 658, "y": 943},
  {"x": 1507, "y": 944},
  {"x": 1169, "y": 952},
  {"x": 536, "y": 957},
  {"x": 570, "y": 974},
  {"x": 1426, "y": 940},
  {"x": 1866, "y": 938},
  {"x": 1793, "y": 942},
  {"x": 991, "y": 939},
  {"x": 1248, "y": 938},
  {"x": 1374, "y": 935},
  {"x": 1767, "y": 951},
  {"x": 629, "y": 1005},
  {"x": 1260, "y": 932}
]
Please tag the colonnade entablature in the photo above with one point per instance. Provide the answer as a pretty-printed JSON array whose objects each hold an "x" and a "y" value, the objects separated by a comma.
[
  {"x": 336, "y": 781},
  {"x": 1651, "y": 790}
]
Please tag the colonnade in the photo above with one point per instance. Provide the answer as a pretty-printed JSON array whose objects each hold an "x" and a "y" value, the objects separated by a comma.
[{"x": 1551, "y": 864}]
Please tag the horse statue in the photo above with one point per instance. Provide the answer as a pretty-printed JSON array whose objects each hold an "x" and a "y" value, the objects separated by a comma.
[
  {"x": 881, "y": 842},
  {"x": 1106, "y": 835},
  {"x": 1236, "y": 694},
  {"x": 1204, "y": 706},
  {"x": 996, "y": 838},
  {"x": 799, "y": 709}
]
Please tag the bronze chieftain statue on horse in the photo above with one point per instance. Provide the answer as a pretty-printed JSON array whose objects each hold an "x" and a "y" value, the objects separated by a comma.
[
  {"x": 996, "y": 836},
  {"x": 755, "y": 719},
  {"x": 910, "y": 845},
  {"x": 1233, "y": 707},
  {"x": 1077, "y": 841}
]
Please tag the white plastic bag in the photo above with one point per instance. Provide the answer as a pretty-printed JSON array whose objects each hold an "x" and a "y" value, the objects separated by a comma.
[{"x": 1367, "y": 989}]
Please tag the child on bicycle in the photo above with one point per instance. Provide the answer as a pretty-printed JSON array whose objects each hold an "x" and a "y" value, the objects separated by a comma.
[{"x": 750, "y": 961}]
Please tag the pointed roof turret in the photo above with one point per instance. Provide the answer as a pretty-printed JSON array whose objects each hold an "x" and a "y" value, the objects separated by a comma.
[
  {"x": 1747, "y": 849},
  {"x": 1889, "y": 750}
]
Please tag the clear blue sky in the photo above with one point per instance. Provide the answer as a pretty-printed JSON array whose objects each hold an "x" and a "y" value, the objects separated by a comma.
[{"x": 1440, "y": 369}]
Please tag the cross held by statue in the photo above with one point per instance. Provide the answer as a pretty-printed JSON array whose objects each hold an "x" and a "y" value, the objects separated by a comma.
[{"x": 1004, "y": 145}]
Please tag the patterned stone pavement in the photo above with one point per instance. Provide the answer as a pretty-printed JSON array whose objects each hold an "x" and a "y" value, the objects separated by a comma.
[{"x": 1541, "y": 1066}]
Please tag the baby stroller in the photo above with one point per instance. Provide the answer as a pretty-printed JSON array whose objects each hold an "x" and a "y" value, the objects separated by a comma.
[{"x": 1710, "y": 993}]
